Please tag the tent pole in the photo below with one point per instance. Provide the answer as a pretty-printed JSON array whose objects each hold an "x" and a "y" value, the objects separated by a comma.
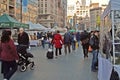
[{"x": 21, "y": 11}]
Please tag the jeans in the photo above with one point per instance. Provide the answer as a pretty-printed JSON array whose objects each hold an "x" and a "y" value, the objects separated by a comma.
[
  {"x": 94, "y": 59},
  {"x": 9, "y": 68},
  {"x": 67, "y": 45},
  {"x": 73, "y": 45},
  {"x": 43, "y": 43}
]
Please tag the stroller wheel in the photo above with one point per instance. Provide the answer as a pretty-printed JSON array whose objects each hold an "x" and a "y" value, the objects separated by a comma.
[
  {"x": 22, "y": 68},
  {"x": 32, "y": 66}
]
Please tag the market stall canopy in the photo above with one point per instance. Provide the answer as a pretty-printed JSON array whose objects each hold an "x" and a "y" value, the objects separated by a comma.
[
  {"x": 7, "y": 21},
  {"x": 113, "y": 5},
  {"x": 36, "y": 27}
]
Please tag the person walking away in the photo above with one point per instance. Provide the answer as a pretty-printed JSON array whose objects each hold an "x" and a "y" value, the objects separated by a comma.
[
  {"x": 67, "y": 42},
  {"x": 73, "y": 41},
  {"x": 8, "y": 55},
  {"x": 23, "y": 41},
  {"x": 78, "y": 38},
  {"x": 58, "y": 41},
  {"x": 94, "y": 42},
  {"x": 85, "y": 43}
]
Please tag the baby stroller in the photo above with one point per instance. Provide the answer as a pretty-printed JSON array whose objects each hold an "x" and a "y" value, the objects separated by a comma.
[{"x": 25, "y": 59}]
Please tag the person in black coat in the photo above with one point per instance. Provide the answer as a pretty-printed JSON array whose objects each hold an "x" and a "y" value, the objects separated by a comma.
[
  {"x": 23, "y": 41},
  {"x": 85, "y": 42}
]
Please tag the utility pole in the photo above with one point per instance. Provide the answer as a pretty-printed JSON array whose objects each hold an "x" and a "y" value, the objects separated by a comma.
[{"x": 21, "y": 11}]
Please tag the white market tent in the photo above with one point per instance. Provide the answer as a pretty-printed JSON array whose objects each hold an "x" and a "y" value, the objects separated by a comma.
[
  {"x": 36, "y": 26},
  {"x": 113, "y": 5},
  {"x": 110, "y": 15}
]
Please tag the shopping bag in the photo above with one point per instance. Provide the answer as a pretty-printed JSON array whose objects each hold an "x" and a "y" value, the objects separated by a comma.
[{"x": 90, "y": 49}]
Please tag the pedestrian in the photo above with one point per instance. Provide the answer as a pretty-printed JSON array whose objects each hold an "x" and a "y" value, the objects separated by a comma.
[
  {"x": 67, "y": 42},
  {"x": 44, "y": 39},
  {"x": 73, "y": 40},
  {"x": 8, "y": 55},
  {"x": 58, "y": 42},
  {"x": 85, "y": 43},
  {"x": 23, "y": 41},
  {"x": 94, "y": 42},
  {"x": 78, "y": 38}
]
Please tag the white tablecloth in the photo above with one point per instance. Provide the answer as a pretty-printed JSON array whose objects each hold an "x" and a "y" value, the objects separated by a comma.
[
  {"x": 104, "y": 68},
  {"x": 34, "y": 42}
]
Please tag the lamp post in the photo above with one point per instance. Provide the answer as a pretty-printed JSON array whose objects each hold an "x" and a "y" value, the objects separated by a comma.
[{"x": 21, "y": 11}]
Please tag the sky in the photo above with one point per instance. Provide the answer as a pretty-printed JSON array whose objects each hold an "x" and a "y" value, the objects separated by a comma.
[{"x": 101, "y": 2}]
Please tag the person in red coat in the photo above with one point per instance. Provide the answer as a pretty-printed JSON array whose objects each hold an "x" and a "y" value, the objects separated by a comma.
[
  {"x": 8, "y": 55},
  {"x": 58, "y": 41}
]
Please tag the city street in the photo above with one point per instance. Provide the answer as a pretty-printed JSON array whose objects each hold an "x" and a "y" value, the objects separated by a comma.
[{"x": 70, "y": 67}]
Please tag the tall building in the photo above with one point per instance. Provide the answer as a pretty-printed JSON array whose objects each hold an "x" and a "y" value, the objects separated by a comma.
[
  {"x": 52, "y": 12},
  {"x": 29, "y": 12},
  {"x": 78, "y": 14},
  {"x": 95, "y": 15}
]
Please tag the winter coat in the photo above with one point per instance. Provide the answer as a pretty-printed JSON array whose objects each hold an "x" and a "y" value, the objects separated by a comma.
[
  {"x": 8, "y": 51},
  {"x": 94, "y": 42},
  {"x": 57, "y": 41},
  {"x": 23, "y": 39},
  {"x": 67, "y": 38}
]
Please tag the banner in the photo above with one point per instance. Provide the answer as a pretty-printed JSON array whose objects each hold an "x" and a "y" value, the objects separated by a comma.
[{"x": 24, "y": 6}]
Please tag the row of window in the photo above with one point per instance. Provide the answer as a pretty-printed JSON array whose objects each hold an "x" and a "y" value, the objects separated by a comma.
[
  {"x": 3, "y": 6},
  {"x": 42, "y": 10},
  {"x": 43, "y": 0},
  {"x": 41, "y": 5}
]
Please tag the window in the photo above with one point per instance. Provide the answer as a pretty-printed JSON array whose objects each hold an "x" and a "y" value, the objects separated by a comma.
[
  {"x": 41, "y": 5},
  {"x": 45, "y": 5},
  {"x": 4, "y": 6},
  {"x": 45, "y": 10},
  {"x": 41, "y": 11}
]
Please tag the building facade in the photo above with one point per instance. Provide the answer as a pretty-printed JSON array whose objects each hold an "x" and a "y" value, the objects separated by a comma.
[
  {"x": 95, "y": 15},
  {"x": 8, "y": 7},
  {"x": 29, "y": 14},
  {"x": 52, "y": 12},
  {"x": 78, "y": 14},
  {"x": 13, "y": 8}
]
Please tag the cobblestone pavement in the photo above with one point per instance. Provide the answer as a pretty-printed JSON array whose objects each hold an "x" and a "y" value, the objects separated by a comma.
[{"x": 66, "y": 67}]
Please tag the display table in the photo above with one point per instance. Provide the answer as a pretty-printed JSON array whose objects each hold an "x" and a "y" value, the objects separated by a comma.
[{"x": 34, "y": 42}]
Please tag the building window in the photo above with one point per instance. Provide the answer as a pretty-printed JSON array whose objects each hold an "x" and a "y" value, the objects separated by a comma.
[
  {"x": 45, "y": 10},
  {"x": 41, "y": 11},
  {"x": 41, "y": 5},
  {"x": 41, "y": 0},
  {"x": 45, "y": 0},
  {"x": 45, "y": 5}
]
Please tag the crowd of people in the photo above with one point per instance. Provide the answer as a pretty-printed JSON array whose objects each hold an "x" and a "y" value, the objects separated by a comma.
[{"x": 70, "y": 41}]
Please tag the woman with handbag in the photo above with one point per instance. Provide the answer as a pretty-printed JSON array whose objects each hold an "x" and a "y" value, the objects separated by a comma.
[
  {"x": 58, "y": 42},
  {"x": 8, "y": 55}
]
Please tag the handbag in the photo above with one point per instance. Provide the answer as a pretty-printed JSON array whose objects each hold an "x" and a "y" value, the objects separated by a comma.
[{"x": 61, "y": 42}]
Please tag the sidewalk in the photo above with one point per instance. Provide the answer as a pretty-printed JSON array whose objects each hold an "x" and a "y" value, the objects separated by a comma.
[{"x": 70, "y": 67}]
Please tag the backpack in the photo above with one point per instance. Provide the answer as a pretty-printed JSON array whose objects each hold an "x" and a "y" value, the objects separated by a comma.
[{"x": 67, "y": 38}]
